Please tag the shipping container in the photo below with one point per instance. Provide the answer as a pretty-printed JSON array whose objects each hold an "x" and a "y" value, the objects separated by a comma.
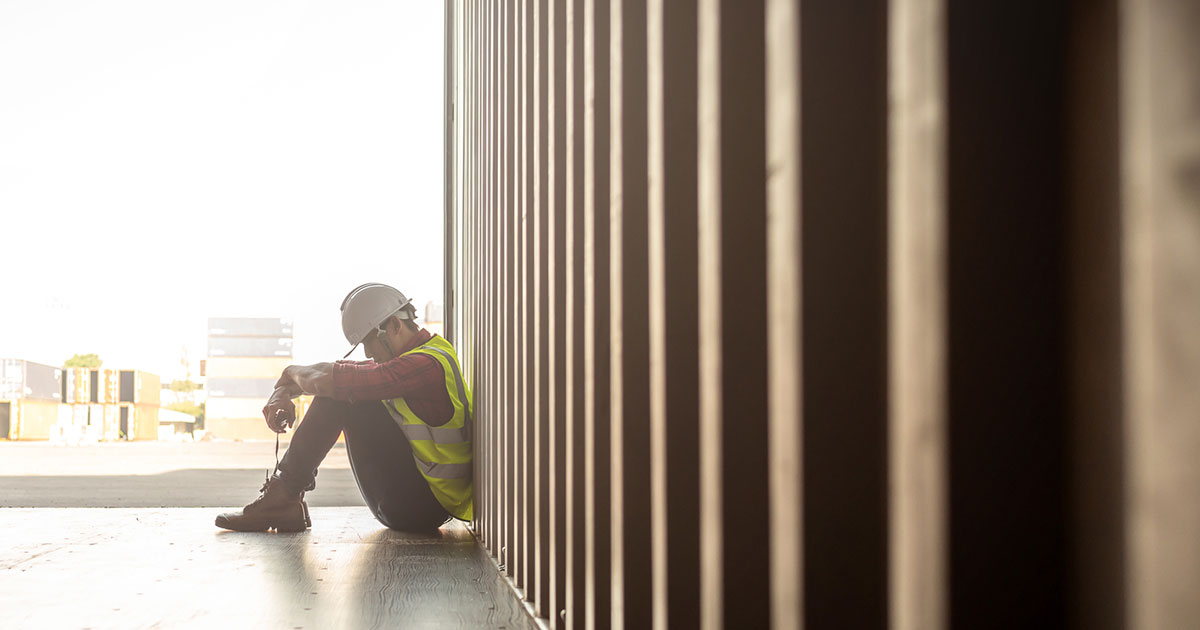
[
  {"x": 31, "y": 419},
  {"x": 26, "y": 379},
  {"x": 249, "y": 347},
  {"x": 113, "y": 430},
  {"x": 240, "y": 387},
  {"x": 149, "y": 389},
  {"x": 95, "y": 414},
  {"x": 12, "y": 378},
  {"x": 81, "y": 415},
  {"x": 143, "y": 422},
  {"x": 66, "y": 415},
  {"x": 83, "y": 385},
  {"x": 43, "y": 382},
  {"x": 112, "y": 386},
  {"x": 128, "y": 386},
  {"x": 137, "y": 386},
  {"x": 247, "y": 367},
  {"x": 274, "y": 327}
]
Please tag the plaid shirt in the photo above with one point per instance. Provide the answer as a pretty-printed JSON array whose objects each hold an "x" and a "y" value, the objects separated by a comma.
[{"x": 417, "y": 378}]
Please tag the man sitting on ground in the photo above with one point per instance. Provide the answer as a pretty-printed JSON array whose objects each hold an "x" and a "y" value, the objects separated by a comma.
[{"x": 406, "y": 415}]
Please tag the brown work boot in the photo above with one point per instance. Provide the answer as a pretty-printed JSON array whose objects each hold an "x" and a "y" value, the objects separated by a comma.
[{"x": 277, "y": 508}]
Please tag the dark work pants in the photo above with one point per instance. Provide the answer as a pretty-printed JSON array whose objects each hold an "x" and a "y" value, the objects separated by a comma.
[{"x": 380, "y": 457}]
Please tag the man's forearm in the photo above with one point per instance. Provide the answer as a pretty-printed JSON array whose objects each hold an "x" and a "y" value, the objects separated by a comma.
[{"x": 316, "y": 379}]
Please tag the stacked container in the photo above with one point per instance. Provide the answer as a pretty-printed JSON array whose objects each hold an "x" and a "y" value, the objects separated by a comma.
[
  {"x": 109, "y": 404},
  {"x": 30, "y": 395},
  {"x": 245, "y": 357},
  {"x": 138, "y": 396}
]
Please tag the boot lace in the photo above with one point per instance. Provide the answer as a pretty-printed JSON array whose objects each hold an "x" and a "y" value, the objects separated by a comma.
[{"x": 269, "y": 474}]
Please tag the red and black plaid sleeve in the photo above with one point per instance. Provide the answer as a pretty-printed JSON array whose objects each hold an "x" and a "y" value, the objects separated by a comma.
[{"x": 417, "y": 378}]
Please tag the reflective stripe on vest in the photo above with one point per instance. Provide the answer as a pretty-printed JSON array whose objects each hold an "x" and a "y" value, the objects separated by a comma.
[
  {"x": 436, "y": 434},
  {"x": 444, "y": 471},
  {"x": 442, "y": 454},
  {"x": 462, "y": 391}
]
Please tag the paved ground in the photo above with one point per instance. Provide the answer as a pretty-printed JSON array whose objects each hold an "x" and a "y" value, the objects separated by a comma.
[
  {"x": 155, "y": 474},
  {"x": 170, "y": 568}
]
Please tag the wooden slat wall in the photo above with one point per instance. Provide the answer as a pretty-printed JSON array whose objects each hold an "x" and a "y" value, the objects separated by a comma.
[
  {"x": 1160, "y": 173},
  {"x": 826, "y": 315}
]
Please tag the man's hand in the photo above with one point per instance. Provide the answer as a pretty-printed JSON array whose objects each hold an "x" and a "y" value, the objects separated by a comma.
[{"x": 280, "y": 411}]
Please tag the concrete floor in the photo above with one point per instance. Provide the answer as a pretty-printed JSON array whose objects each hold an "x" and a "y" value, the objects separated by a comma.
[
  {"x": 67, "y": 563},
  {"x": 89, "y": 568},
  {"x": 156, "y": 474}
]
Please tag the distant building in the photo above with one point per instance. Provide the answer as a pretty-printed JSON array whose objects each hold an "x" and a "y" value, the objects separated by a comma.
[
  {"x": 245, "y": 357},
  {"x": 30, "y": 395}
]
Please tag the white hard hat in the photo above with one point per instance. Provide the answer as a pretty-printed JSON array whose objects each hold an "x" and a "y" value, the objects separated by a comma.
[{"x": 367, "y": 307}]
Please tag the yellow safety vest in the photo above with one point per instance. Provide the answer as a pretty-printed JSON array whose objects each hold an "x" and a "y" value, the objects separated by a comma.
[{"x": 442, "y": 454}]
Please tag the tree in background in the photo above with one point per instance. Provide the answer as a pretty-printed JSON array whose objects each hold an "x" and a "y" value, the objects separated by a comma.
[
  {"x": 83, "y": 361},
  {"x": 186, "y": 401},
  {"x": 191, "y": 409},
  {"x": 185, "y": 386}
]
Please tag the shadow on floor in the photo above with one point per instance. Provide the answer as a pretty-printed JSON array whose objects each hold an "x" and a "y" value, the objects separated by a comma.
[{"x": 177, "y": 488}]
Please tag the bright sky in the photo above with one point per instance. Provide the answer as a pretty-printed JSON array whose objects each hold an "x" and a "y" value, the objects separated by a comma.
[{"x": 164, "y": 162}]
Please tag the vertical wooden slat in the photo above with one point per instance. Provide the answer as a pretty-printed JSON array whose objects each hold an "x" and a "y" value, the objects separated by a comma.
[
  {"x": 468, "y": 172},
  {"x": 527, "y": 370},
  {"x": 492, "y": 256},
  {"x": 470, "y": 298},
  {"x": 785, "y": 325},
  {"x": 917, "y": 322},
  {"x": 511, "y": 313},
  {"x": 464, "y": 176},
  {"x": 504, "y": 459},
  {"x": 844, "y": 318},
  {"x": 1097, "y": 399},
  {"x": 673, "y": 312},
  {"x": 1160, "y": 197},
  {"x": 708, "y": 155},
  {"x": 477, "y": 225},
  {"x": 471, "y": 206},
  {"x": 450, "y": 186},
  {"x": 596, "y": 324},
  {"x": 556, "y": 77},
  {"x": 478, "y": 217},
  {"x": 495, "y": 265},
  {"x": 733, "y": 297},
  {"x": 576, "y": 481},
  {"x": 630, "y": 327},
  {"x": 657, "y": 346},
  {"x": 1006, "y": 366},
  {"x": 554, "y": 314},
  {"x": 485, "y": 382},
  {"x": 468, "y": 166},
  {"x": 542, "y": 315}
]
